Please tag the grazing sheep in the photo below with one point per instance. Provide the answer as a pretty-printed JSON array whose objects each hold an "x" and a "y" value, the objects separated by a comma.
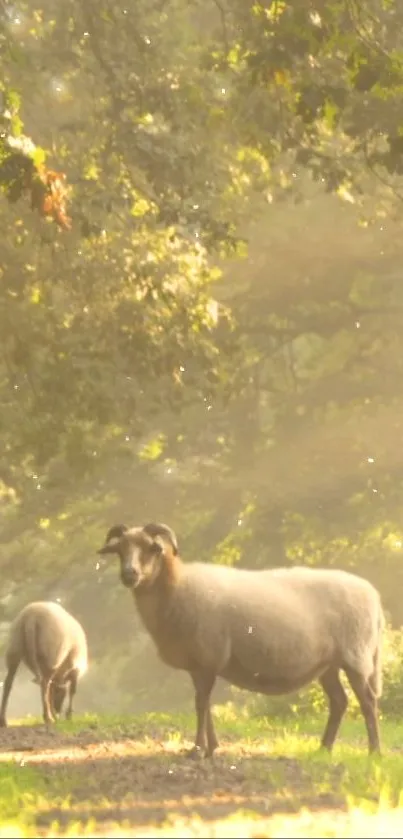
[
  {"x": 270, "y": 631},
  {"x": 53, "y": 645}
]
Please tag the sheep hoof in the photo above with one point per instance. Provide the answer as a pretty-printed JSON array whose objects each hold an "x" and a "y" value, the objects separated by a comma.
[
  {"x": 3, "y": 723},
  {"x": 195, "y": 753}
]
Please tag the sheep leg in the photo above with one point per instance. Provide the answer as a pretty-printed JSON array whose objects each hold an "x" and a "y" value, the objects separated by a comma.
[
  {"x": 46, "y": 697},
  {"x": 72, "y": 692},
  {"x": 338, "y": 702},
  {"x": 12, "y": 665},
  {"x": 369, "y": 706},
  {"x": 212, "y": 742},
  {"x": 203, "y": 684},
  {"x": 52, "y": 700}
]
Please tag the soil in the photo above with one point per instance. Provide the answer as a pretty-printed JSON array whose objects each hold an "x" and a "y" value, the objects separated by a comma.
[{"x": 137, "y": 780}]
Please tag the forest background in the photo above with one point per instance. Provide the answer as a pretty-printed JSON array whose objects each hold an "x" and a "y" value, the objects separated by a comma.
[{"x": 214, "y": 339}]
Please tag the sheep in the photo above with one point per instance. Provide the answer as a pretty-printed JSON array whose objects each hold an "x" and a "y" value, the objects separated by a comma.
[
  {"x": 270, "y": 631},
  {"x": 53, "y": 645}
]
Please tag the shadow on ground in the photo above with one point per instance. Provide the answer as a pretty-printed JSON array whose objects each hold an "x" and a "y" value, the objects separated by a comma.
[{"x": 136, "y": 778}]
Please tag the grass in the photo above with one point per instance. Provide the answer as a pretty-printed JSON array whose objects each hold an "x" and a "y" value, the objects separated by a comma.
[{"x": 120, "y": 776}]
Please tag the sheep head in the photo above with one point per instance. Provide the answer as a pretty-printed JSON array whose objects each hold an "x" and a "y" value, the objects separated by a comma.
[{"x": 141, "y": 556}]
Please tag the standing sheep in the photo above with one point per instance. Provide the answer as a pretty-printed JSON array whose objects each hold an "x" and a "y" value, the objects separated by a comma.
[
  {"x": 271, "y": 631},
  {"x": 53, "y": 645}
]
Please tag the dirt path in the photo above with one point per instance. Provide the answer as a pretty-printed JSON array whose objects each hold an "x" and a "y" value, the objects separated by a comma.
[{"x": 141, "y": 781}]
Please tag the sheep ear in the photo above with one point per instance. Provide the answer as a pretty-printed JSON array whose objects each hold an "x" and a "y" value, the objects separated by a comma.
[
  {"x": 111, "y": 547},
  {"x": 113, "y": 538}
]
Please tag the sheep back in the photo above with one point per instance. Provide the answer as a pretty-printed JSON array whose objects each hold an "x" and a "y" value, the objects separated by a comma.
[
  {"x": 44, "y": 635},
  {"x": 247, "y": 625}
]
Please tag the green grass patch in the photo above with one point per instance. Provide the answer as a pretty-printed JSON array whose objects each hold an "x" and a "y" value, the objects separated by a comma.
[{"x": 22, "y": 791}]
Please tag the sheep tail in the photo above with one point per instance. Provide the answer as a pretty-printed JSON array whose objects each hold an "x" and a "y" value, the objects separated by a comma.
[{"x": 375, "y": 679}]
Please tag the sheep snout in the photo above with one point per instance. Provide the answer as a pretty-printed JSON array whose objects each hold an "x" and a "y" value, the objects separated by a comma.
[{"x": 129, "y": 577}]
